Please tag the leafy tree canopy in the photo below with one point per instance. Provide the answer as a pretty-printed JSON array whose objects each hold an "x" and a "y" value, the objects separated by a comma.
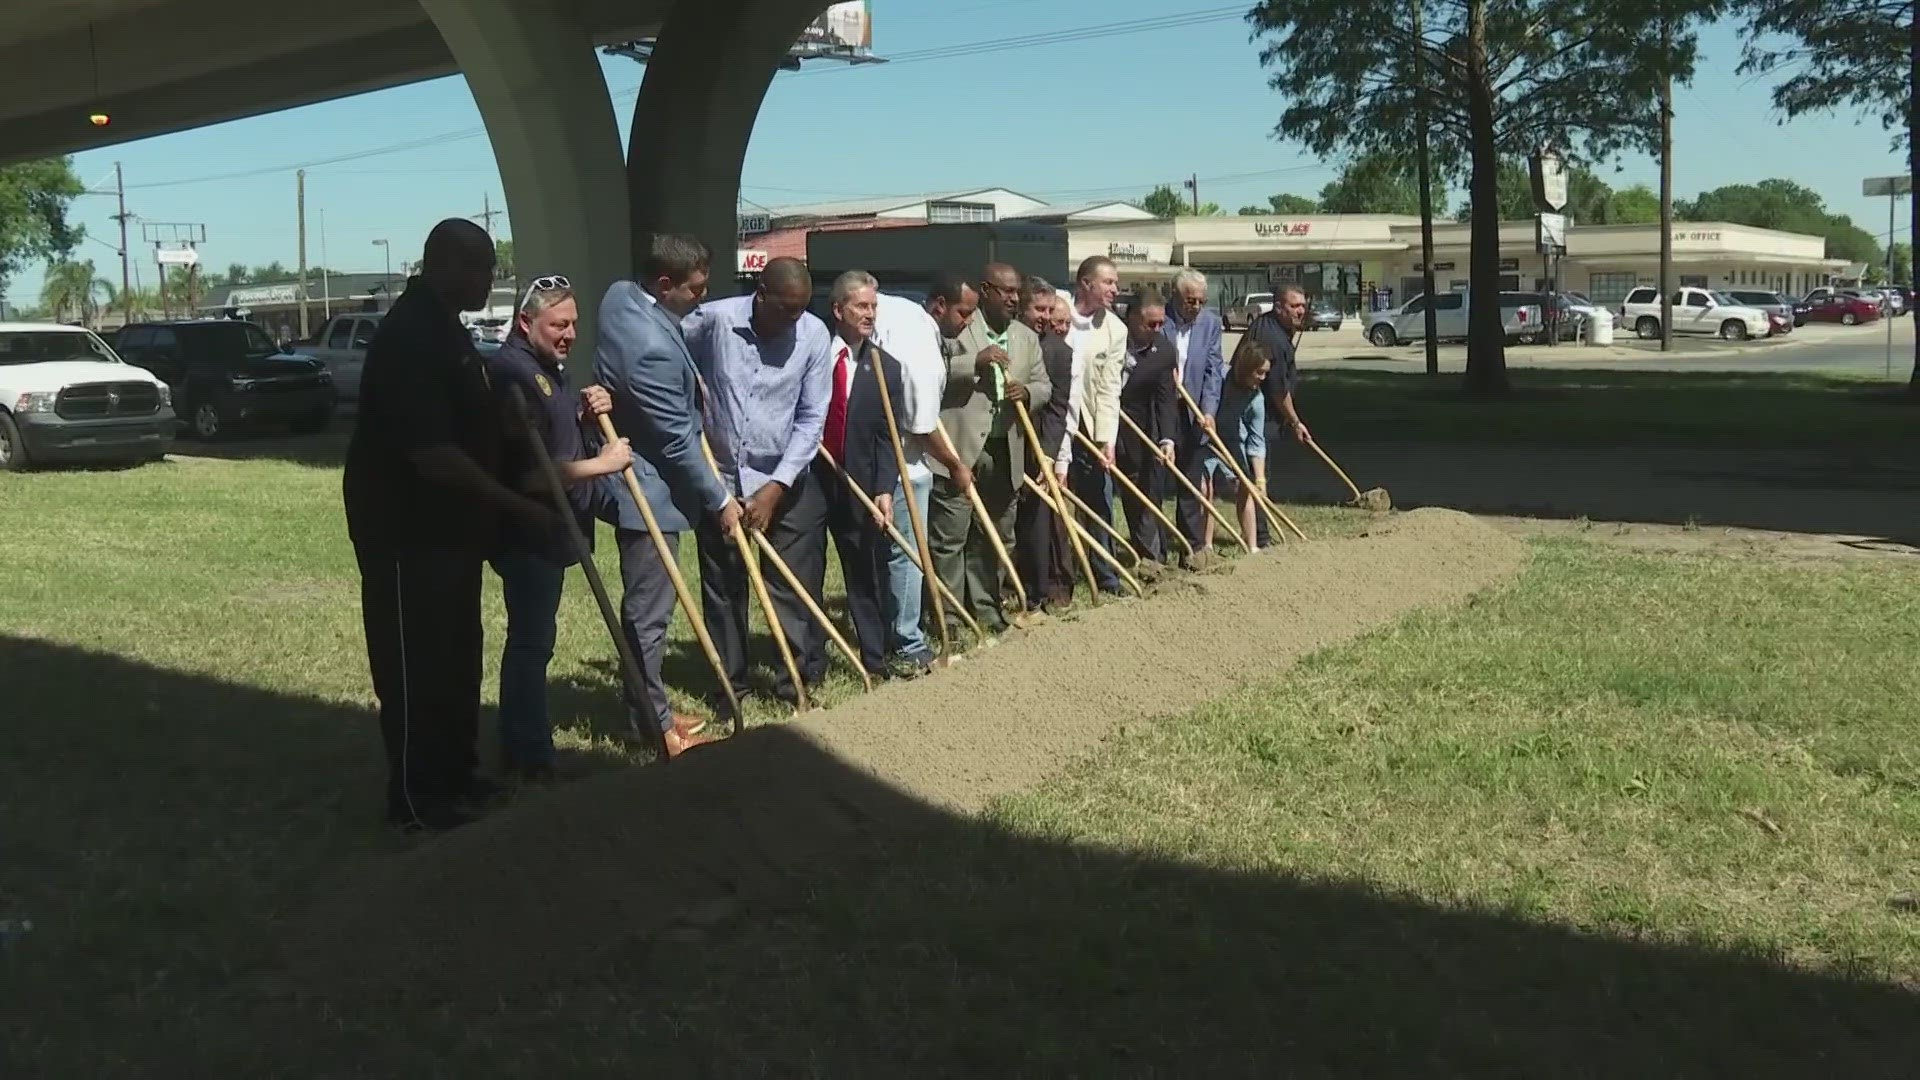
[{"x": 34, "y": 199}]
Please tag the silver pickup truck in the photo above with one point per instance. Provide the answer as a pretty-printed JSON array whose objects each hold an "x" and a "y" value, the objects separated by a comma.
[
  {"x": 1519, "y": 312},
  {"x": 341, "y": 345}
]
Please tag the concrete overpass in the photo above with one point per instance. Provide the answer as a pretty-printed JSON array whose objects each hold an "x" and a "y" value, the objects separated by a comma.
[{"x": 579, "y": 205}]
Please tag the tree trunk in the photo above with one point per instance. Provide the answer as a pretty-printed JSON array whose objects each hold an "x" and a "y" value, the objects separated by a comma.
[{"x": 1486, "y": 331}]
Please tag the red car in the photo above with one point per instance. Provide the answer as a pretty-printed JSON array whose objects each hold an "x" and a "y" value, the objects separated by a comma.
[{"x": 1840, "y": 308}]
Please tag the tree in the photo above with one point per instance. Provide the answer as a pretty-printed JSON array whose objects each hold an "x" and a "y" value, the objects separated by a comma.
[
  {"x": 1787, "y": 206},
  {"x": 34, "y": 197},
  {"x": 1851, "y": 54},
  {"x": 1290, "y": 204},
  {"x": 72, "y": 291},
  {"x": 1502, "y": 78},
  {"x": 273, "y": 271},
  {"x": 1376, "y": 184},
  {"x": 1164, "y": 202},
  {"x": 1637, "y": 205},
  {"x": 1902, "y": 254},
  {"x": 503, "y": 259},
  {"x": 1590, "y": 200}
]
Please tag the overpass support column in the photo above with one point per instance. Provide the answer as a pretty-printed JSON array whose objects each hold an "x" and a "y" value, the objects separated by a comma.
[
  {"x": 691, "y": 123},
  {"x": 535, "y": 77}
]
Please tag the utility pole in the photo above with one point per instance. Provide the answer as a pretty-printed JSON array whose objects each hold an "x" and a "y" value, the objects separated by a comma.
[
  {"x": 1193, "y": 185},
  {"x": 126, "y": 268},
  {"x": 160, "y": 275},
  {"x": 1666, "y": 180},
  {"x": 326, "y": 282},
  {"x": 1432, "y": 317},
  {"x": 300, "y": 208},
  {"x": 487, "y": 213}
]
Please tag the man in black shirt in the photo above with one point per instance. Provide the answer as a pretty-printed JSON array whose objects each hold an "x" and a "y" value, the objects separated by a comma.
[
  {"x": 1276, "y": 329},
  {"x": 425, "y": 499}
]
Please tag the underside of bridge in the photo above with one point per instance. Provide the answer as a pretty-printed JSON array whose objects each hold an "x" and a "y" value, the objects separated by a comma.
[{"x": 579, "y": 205}]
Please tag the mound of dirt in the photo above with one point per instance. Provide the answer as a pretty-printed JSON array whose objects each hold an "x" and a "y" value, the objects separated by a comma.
[{"x": 545, "y": 892}]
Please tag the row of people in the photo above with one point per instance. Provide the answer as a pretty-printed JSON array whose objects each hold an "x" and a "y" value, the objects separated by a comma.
[{"x": 887, "y": 421}]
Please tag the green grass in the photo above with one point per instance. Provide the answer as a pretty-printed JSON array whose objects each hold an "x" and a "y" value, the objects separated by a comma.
[
  {"x": 1631, "y": 815},
  {"x": 1606, "y": 408}
]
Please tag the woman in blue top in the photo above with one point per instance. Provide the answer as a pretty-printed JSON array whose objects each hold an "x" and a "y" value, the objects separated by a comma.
[{"x": 1241, "y": 421}]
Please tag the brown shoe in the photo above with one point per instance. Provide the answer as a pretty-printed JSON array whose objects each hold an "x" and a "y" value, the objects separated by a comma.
[
  {"x": 678, "y": 743},
  {"x": 688, "y": 726}
]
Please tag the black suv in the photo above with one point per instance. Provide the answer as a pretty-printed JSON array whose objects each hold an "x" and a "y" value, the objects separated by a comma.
[{"x": 227, "y": 375}]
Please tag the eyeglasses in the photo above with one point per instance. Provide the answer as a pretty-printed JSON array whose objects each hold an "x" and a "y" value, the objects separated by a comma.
[{"x": 544, "y": 284}]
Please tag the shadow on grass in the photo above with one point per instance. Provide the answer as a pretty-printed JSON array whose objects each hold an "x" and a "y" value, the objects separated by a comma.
[
  {"x": 325, "y": 450},
  {"x": 168, "y": 833},
  {"x": 1604, "y": 408}
]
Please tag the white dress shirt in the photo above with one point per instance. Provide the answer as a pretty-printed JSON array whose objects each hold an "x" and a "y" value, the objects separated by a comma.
[{"x": 908, "y": 334}]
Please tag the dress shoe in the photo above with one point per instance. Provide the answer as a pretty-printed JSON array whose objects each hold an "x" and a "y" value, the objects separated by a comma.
[{"x": 678, "y": 744}]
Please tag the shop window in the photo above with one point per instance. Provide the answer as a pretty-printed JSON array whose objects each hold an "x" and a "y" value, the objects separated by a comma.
[
  {"x": 1610, "y": 288},
  {"x": 1698, "y": 281}
]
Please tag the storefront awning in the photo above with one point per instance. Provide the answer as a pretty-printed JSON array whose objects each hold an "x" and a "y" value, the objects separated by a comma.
[{"x": 1318, "y": 251}]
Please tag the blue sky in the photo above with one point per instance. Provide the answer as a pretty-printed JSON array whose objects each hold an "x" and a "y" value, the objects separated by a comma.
[{"x": 1191, "y": 99}]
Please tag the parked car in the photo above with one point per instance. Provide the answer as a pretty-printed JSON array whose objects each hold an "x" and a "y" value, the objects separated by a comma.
[
  {"x": 1770, "y": 302},
  {"x": 228, "y": 376},
  {"x": 489, "y": 331},
  {"x": 341, "y": 345},
  {"x": 1841, "y": 308},
  {"x": 1520, "y": 314},
  {"x": 65, "y": 397},
  {"x": 1240, "y": 315},
  {"x": 1325, "y": 314},
  {"x": 1695, "y": 311}
]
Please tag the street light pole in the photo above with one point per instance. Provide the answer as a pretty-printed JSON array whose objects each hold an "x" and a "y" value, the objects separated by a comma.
[{"x": 386, "y": 280}]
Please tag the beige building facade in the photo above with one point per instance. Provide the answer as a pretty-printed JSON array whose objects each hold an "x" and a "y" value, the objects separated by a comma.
[{"x": 1373, "y": 260}]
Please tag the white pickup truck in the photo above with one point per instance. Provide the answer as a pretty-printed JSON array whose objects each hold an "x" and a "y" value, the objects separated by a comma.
[
  {"x": 1519, "y": 313},
  {"x": 65, "y": 397}
]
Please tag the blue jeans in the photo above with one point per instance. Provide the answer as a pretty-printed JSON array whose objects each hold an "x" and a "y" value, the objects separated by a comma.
[
  {"x": 901, "y": 605},
  {"x": 531, "y": 588}
]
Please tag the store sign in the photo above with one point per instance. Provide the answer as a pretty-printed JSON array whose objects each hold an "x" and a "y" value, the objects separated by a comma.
[
  {"x": 1283, "y": 228},
  {"x": 1509, "y": 264},
  {"x": 1712, "y": 235},
  {"x": 176, "y": 256},
  {"x": 754, "y": 224},
  {"x": 1437, "y": 267},
  {"x": 1128, "y": 252},
  {"x": 752, "y": 262},
  {"x": 263, "y": 295}
]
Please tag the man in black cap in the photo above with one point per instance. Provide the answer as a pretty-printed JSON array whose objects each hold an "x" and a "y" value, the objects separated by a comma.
[{"x": 426, "y": 494}]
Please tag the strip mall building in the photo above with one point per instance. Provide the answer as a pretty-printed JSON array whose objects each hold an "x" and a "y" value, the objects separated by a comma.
[{"x": 1374, "y": 259}]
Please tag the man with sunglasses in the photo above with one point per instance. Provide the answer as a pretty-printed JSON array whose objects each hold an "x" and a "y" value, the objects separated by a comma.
[
  {"x": 993, "y": 367},
  {"x": 529, "y": 374}
]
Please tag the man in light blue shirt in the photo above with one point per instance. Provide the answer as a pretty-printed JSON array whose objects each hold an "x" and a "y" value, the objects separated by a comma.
[{"x": 768, "y": 372}]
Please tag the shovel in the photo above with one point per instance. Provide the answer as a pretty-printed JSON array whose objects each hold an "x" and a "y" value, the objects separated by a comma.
[{"x": 1370, "y": 499}]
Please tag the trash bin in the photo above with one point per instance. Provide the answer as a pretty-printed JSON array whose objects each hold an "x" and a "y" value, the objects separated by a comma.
[{"x": 1600, "y": 327}]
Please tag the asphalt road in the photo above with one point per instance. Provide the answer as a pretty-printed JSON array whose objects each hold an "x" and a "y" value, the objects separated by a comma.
[{"x": 1859, "y": 351}]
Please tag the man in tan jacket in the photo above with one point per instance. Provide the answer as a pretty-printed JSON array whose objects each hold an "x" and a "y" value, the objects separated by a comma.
[
  {"x": 993, "y": 367},
  {"x": 1099, "y": 340}
]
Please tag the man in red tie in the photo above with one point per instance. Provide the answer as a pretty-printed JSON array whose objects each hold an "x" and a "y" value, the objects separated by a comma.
[{"x": 858, "y": 438}]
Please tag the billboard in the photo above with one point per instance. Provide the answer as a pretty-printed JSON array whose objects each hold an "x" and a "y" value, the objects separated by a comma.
[{"x": 847, "y": 26}]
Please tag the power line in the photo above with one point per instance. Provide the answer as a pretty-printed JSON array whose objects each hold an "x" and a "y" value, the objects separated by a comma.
[{"x": 961, "y": 49}]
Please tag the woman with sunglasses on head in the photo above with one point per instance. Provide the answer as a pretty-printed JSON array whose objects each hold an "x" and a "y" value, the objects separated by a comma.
[{"x": 529, "y": 371}]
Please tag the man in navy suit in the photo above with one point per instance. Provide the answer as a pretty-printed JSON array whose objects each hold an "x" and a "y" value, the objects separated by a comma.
[
  {"x": 1194, "y": 330},
  {"x": 643, "y": 362},
  {"x": 856, "y": 434}
]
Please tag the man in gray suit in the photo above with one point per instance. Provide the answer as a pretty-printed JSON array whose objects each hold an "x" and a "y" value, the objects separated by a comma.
[
  {"x": 993, "y": 367},
  {"x": 642, "y": 361}
]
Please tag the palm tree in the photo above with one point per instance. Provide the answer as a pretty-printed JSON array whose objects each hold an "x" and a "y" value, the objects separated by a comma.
[{"x": 71, "y": 290}]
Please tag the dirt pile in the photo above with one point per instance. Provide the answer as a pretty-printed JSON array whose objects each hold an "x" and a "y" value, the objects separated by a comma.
[{"x": 549, "y": 891}]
